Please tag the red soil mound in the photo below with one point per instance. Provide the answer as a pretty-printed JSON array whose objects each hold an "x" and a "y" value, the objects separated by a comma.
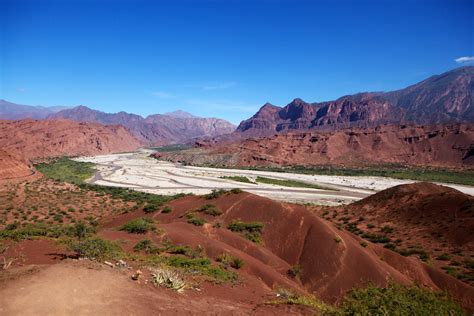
[
  {"x": 438, "y": 210},
  {"x": 332, "y": 261}
]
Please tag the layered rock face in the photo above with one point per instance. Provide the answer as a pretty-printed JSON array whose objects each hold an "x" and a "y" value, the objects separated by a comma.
[
  {"x": 439, "y": 145},
  {"x": 445, "y": 98},
  {"x": 434, "y": 145}
]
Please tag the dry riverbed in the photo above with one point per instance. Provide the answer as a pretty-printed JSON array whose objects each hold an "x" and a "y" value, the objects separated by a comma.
[{"x": 140, "y": 172}]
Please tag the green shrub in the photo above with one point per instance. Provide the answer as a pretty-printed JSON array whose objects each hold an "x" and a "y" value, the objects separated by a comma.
[
  {"x": 95, "y": 248},
  {"x": 194, "y": 220},
  {"x": 444, "y": 257},
  {"x": 151, "y": 207},
  {"x": 250, "y": 230},
  {"x": 166, "y": 210},
  {"x": 228, "y": 261},
  {"x": 238, "y": 178},
  {"x": 236, "y": 191},
  {"x": 387, "y": 229},
  {"x": 147, "y": 246},
  {"x": 17, "y": 232},
  {"x": 138, "y": 226},
  {"x": 210, "y": 209},
  {"x": 398, "y": 300},
  {"x": 215, "y": 194}
]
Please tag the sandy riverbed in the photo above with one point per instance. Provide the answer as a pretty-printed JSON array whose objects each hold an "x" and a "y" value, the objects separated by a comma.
[{"x": 140, "y": 172}]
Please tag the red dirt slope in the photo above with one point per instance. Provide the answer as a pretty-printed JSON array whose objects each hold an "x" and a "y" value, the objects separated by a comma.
[
  {"x": 332, "y": 261},
  {"x": 25, "y": 140},
  {"x": 13, "y": 167},
  {"x": 442, "y": 212}
]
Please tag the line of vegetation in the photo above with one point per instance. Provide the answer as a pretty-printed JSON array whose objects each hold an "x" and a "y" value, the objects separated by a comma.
[
  {"x": 67, "y": 170},
  {"x": 173, "y": 147},
  {"x": 76, "y": 172},
  {"x": 250, "y": 230},
  {"x": 238, "y": 179},
  {"x": 18, "y": 232},
  {"x": 395, "y": 171},
  {"x": 292, "y": 183},
  {"x": 218, "y": 193},
  {"x": 395, "y": 299},
  {"x": 139, "y": 225}
]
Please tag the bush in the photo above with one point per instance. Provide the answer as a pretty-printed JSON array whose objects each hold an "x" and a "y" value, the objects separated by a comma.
[
  {"x": 17, "y": 232},
  {"x": 151, "y": 208},
  {"x": 138, "y": 226},
  {"x": 236, "y": 191},
  {"x": 228, "y": 261},
  {"x": 210, "y": 209},
  {"x": 147, "y": 246},
  {"x": 166, "y": 210},
  {"x": 387, "y": 229},
  {"x": 250, "y": 230},
  {"x": 193, "y": 219},
  {"x": 398, "y": 300},
  {"x": 95, "y": 248},
  {"x": 444, "y": 257},
  {"x": 215, "y": 194}
]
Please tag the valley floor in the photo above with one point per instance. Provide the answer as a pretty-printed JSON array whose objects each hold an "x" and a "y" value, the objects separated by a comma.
[{"x": 141, "y": 172}]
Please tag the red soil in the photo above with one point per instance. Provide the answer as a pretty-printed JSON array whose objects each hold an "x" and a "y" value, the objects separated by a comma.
[
  {"x": 332, "y": 261},
  {"x": 25, "y": 140}
]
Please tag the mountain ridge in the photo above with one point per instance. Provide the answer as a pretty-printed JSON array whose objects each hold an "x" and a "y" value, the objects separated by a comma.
[
  {"x": 156, "y": 129},
  {"x": 444, "y": 98}
]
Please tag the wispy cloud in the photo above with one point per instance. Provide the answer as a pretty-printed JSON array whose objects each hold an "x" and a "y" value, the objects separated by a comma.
[
  {"x": 162, "y": 95},
  {"x": 464, "y": 59},
  {"x": 21, "y": 90},
  {"x": 219, "y": 85}
]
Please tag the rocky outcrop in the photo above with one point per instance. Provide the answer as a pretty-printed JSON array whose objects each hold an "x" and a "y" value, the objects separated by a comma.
[
  {"x": 24, "y": 140},
  {"x": 445, "y": 98},
  {"x": 436, "y": 145}
]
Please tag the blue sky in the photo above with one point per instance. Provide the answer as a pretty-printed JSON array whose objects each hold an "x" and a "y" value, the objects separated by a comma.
[{"x": 222, "y": 58}]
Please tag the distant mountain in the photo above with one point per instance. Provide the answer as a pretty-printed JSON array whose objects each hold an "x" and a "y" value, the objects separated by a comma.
[
  {"x": 444, "y": 98},
  {"x": 180, "y": 114},
  {"x": 158, "y": 129},
  {"x": 13, "y": 111}
]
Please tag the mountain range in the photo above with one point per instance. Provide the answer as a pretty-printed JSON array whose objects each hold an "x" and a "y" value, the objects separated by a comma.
[
  {"x": 154, "y": 130},
  {"x": 444, "y": 98},
  {"x": 158, "y": 129},
  {"x": 13, "y": 111}
]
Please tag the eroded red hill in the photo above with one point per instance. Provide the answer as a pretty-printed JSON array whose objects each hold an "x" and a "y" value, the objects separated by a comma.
[
  {"x": 25, "y": 140},
  {"x": 326, "y": 261}
]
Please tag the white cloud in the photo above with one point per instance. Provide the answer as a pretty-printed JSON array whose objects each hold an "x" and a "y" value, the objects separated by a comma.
[
  {"x": 21, "y": 90},
  {"x": 162, "y": 95},
  {"x": 465, "y": 59}
]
